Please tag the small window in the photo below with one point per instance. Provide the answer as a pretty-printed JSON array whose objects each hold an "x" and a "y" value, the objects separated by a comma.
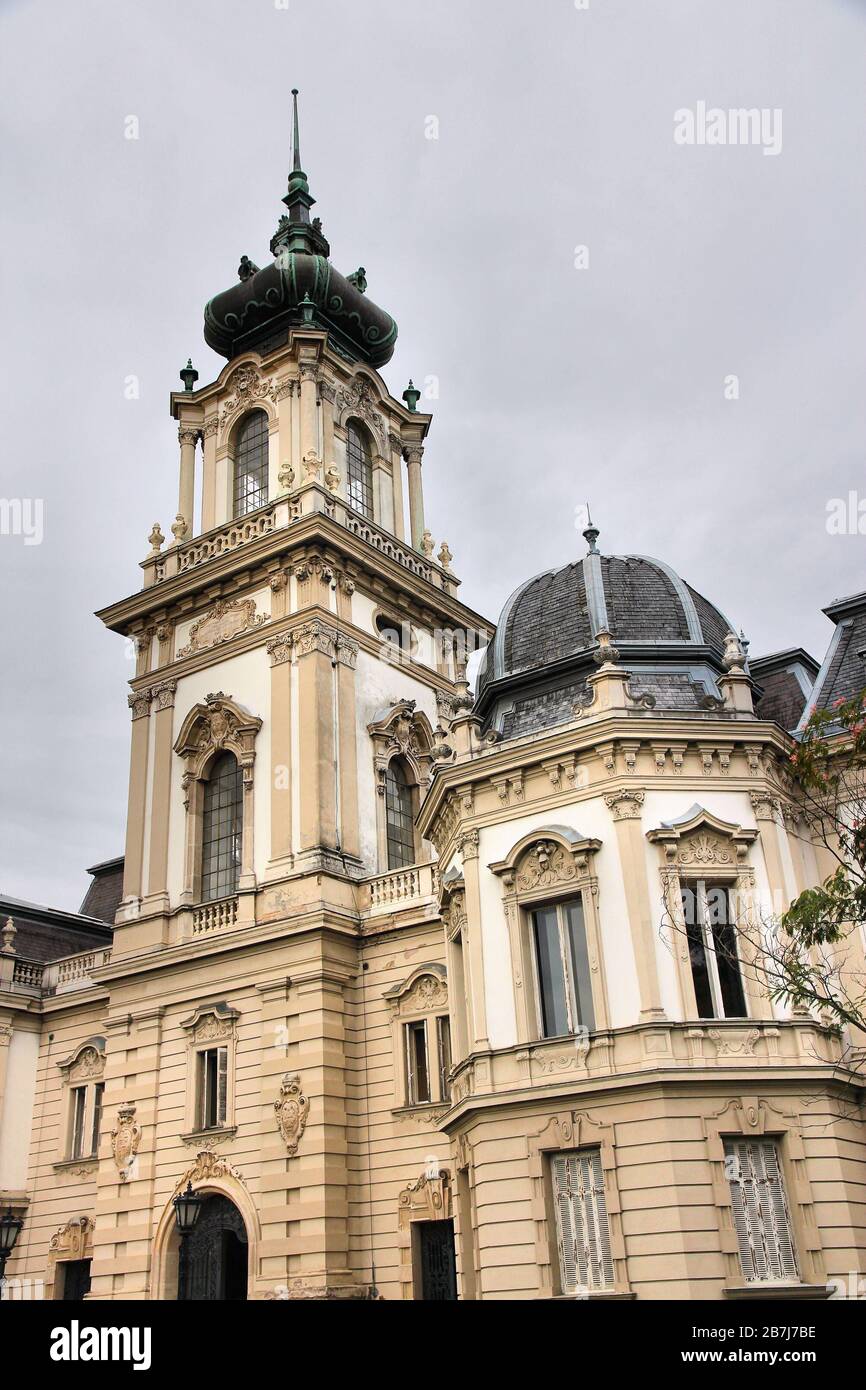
[
  {"x": 582, "y": 1225},
  {"x": 712, "y": 940},
  {"x": 760, "y": 1211},
  {"x": 421, "y": 1068},
  {"x": 222, "y": 827},
  {"x": 417, "y": 1067},
  {"x": 443, "y": 1036},
  {"x": 251, "y": 464},
  {"x": 98, "y": 1092},
  {"x": 400, "y": 818},
  {"x": 359, "y": 471},
  {"x": 397, "y": 634},
  {"x": 76, "y": 1280},
  {"x": 213, "y": 1088},
  {"x": 79, "y": 1114},
  {"x": 562, "y": 970}
]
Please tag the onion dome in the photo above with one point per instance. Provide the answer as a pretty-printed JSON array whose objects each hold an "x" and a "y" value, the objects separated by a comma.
[
  {"x": 667, "y": 634},
  {"x": 301, "y": 286}
]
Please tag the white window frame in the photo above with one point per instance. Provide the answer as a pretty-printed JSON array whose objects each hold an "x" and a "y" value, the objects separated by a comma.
[
  {"x": 435, "y": 1060},
  {"x": 222, "y": 1087},
  {"x": 766, "y": 1238},
  {"x": 579, "y": 1194},
  {"x": 698, "y": 887},
  {"x": 559, "y": 906}
]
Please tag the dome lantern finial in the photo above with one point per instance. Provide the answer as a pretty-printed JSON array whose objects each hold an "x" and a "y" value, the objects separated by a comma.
[{"x": 591, "y": 534}]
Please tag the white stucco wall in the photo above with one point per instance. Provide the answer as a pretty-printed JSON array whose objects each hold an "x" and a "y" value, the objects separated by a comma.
[{"x": 17, "y": 1118}]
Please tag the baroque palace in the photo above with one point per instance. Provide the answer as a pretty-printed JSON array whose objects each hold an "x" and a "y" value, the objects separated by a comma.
[{"x": 395, "y": 992}]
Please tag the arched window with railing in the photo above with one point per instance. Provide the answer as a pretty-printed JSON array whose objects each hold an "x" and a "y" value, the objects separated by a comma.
[
  {"x": 399, "y": 816},
  {"x": 359, "y": 470},
  {"x": 222, "y": 829},
  {"x": 250, "y": 464}
]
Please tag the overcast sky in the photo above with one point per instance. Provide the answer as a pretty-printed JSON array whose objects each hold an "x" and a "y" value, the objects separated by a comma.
[{"x": 557, "y": 384}]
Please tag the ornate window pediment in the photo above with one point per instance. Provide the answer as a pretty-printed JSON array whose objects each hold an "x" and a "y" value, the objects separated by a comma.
[
  {"x": 220, "y": 723},
  {"x": 86, "y": 1063},
  {"x": 227, "y": 619},
  {"x": 211, "y": 1022},
  {"x": 402, "y": 732},
  {"x": 699, "y": 842},
  {"x": 552, "y": 857},
  {"x": 424, "y": 991}
]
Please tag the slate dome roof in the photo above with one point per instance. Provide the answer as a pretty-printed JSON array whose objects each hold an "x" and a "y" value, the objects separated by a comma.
[{"x": 642, "y": 602}]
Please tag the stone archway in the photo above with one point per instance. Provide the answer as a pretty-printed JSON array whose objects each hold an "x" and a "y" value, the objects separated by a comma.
[{"x": 211, "y": 1177}]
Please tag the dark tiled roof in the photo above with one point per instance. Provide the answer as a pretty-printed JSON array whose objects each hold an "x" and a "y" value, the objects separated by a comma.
[
  {"x": 542, "y": 711},
  {"x": 548, "y": 620},
  {"x": 783, "y": 698},
  {"x": 642, "y": 604},
  {"x": 43, "y": 933},
  {"x": 102, "y": 898},
  {"x": 846, "y": 673}
]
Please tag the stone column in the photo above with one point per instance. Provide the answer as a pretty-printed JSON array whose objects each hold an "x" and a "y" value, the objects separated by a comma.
[
  {"x": 315, "y": 650},
  {"x": 133, "y": 864},
  {"x": 414, "y": 455},
  {"x": 477, "y": 1021},
  {"x": 285, "y": 412},
  {"x": 186, "y": 498},
  {"x": 347, "y": 657},
  {"x": 160, "y": 810},
  {"x": 626, "y": 807},
  {"x": 280, "y": 652},
  {"x": 208, "y": 478},
  {"x": 396, "y": 447},
  {"x": 309, "y": 413}
]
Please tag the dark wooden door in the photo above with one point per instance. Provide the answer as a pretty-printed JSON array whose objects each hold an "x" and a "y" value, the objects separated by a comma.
[
  {"x": 216, "y": 1254},
  {"x": 437, "y": 1261},
  {"x": 76, "y": 1280}
]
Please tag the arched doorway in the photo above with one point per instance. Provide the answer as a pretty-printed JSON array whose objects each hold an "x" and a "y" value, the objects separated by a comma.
[{"x": 216, "y": 1256}]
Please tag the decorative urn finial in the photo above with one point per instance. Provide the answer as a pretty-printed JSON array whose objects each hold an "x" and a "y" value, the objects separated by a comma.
[
  {"x": 189, "y": 376},
  {"x": 412, "y": 396},
  {"x": 591, "y": 534}
]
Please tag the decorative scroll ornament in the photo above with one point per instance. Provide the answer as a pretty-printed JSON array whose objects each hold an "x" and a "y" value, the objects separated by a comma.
[
  {"x": 358, "y": 399},
  {"x": 73, "y": 1238},
  {"x": 125, "y": 1139},
  {"x": 544, "y": 866},
  {"x": 247, "y": 387},
  {"x": 428, "y": 994},
  {"x": 208, "y": 1166},
  {"x": 705, "y": 849},
  {"x": 217, "y": 724},
  {"x": 291, "y": 1112},
  {"x": 227, "y": 619}
]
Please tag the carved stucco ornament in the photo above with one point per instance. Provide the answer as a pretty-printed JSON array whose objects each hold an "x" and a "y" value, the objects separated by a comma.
[
  {"x": 546, "y": 864},
  {"x": 227, "y": 619},
  {"x": 125, "y": 1139},
  {"x": 291, "y": 1111}
]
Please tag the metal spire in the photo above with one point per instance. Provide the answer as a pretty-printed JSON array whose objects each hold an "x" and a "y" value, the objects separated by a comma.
[
  {"x": 591, "y": 534},
  {"x": 296, "y": 139}
]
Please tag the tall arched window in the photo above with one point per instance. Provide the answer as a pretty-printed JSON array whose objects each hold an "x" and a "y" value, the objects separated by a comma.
[
  {"x": 251, "y": 464},
  {"x": 359, "y": 469},
  {"x": 222, "y": 828},
  {"x": 400, "y": 817}
]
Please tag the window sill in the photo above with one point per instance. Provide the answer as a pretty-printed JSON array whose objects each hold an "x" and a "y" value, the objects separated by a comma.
[
  {"x": 600, "y": 1296},
  {"x": 90, "y": 1163},
  {"x": 427, "y": 1109},
  {"x": 196, "y": 1136},
  {"x": 778, "y": 1292}
]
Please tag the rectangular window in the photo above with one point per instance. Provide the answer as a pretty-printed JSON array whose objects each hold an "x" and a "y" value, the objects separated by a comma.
[
  {"x": 443, "y": 1035},
  {"x": 760, "y": 1211},
  {"x": 712, "y": 937},
  {"x": 417, "y": 1069},
  {"x": 582, "y": 1225},
  {"x": 213, "y": 1088},
  {"x": 79, "y": 1112},
  {"x": 98, "y": 1092},
  {"x": 562, "y": 969}
]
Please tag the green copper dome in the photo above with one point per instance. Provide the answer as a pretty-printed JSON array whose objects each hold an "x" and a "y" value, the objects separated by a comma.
[{"x": 301, "y": 286}]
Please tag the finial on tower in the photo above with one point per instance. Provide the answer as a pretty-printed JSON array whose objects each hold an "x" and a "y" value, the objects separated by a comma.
[
  {"x": 591, "y": 534},
  {"x": 298, "y": 199},
  {"x": 412, "y": 396},
  {"x": 189, "y": 376}
]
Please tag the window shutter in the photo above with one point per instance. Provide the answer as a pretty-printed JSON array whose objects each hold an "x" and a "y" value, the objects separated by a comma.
[
  {"x": 582, "y": 1221},
  {"x": 222, "y": 1086},
  {"x": 760, "y": 1210}
]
